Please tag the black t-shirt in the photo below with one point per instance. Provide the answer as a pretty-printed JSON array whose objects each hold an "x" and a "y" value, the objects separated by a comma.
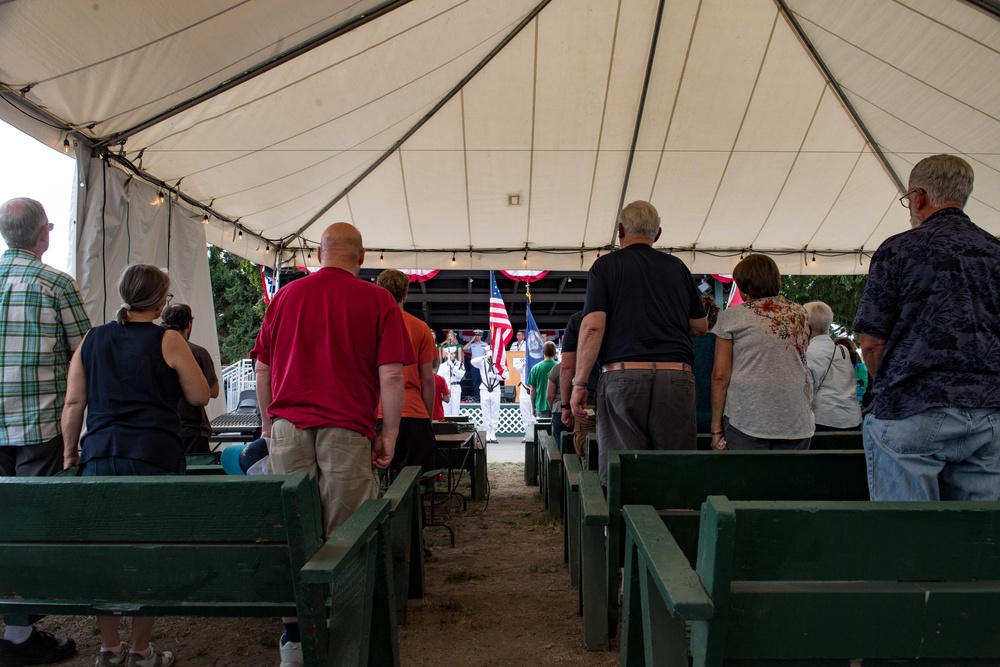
[
  {"x": 649, "y": 298},
  {"x": 569, "y": 342}
]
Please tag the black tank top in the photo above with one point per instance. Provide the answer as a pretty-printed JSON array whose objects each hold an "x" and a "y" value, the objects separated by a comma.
[{"x": 132, "y": 396}]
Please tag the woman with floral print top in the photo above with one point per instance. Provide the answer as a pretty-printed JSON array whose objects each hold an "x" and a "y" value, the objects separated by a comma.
[{"x": 761, "y": 392}]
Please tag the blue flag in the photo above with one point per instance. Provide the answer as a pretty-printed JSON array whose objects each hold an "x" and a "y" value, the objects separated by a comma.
[{"x": 533, "y": 350}]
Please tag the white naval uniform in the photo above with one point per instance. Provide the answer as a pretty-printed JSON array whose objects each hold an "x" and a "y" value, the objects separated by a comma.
[
  {"x": 489, "y": 394},
  {"x": 453, "y": 371}
]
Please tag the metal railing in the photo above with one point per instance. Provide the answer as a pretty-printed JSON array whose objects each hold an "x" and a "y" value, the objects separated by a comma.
[{"x": 235, "y": 379}]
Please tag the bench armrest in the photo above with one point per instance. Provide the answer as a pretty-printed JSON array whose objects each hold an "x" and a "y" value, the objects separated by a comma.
[
  {"x": 404, "y": 485},
  {"x": 678, "y": 584},
  {"x": 571, "y": 462},
  {"x": 327, "y": 563},
  {"x": 593, "y": 505}
]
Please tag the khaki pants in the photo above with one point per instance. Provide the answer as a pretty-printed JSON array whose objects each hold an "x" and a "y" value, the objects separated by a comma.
[
  {"x": 581, "y": 428},
  {"x": 340, "y": 459}
]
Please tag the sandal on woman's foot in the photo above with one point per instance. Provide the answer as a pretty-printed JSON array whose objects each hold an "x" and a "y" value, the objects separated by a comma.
[{"x": 156, "y": 658}]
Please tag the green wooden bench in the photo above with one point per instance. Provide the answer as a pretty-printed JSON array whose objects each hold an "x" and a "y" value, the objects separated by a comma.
[
  {"x": 541, "y": 460},
  {"x": 677, "y": 483},
  {"x": 565, "y": 445},
  {"x": 201, "y": 546},
  {"x": 531, "y": 459},
  {"x": 816, "y": 583}
]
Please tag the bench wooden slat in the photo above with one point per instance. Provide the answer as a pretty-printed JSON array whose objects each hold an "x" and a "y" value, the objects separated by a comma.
[
  {"x": 158, "y": 510},
  {"x": 119, "y": 574},
  {"x": 849, "y": 541}
]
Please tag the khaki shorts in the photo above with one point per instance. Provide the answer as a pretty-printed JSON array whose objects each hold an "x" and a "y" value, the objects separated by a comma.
[{"x": 340, "y": 459}]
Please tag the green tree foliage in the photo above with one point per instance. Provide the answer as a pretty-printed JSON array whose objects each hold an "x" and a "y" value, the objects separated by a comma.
[
  {"x": 239, "y": 303},
  {"x": 841, "y": 293}
]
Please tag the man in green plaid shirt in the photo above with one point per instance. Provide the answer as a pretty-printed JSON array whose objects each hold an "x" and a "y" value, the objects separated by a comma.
[{"x": 41, "y": 322}]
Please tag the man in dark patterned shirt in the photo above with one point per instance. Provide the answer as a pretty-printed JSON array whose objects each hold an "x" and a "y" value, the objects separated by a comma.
[{"x": 930, "y": 335}]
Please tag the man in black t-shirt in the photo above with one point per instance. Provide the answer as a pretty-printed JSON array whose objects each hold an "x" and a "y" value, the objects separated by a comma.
[{"x": 641, "y": 309}]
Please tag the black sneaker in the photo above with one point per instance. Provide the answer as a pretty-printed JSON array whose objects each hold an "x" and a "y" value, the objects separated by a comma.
[{"x": 41, "y": 648}]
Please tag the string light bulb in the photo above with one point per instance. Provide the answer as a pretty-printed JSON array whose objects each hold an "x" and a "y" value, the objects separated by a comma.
[
  {"x": 453, "y": 257},
  {"x": 381, "y": 256},
  {"x": 268, "y": 248},
  {"x": 241, "y": 232},
  {"x": 66, "y": 145},
  {"x": 814, "y": 258},
  {"x": 204, "y": 220},
  {"x": 310, "y": 255},
  {"x": 160, "y": 197}
]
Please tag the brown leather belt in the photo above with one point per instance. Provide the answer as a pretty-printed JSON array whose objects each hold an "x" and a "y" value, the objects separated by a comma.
[{"x": 646, "y": 366}]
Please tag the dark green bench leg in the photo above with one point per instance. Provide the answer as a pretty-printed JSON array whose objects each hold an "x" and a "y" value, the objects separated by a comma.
[
  {"x": 553, "y": 488},
  {"x": 479, "y": 474},
  {"x": 530, "y": 467},
  {"x": 595, "y": 591}
]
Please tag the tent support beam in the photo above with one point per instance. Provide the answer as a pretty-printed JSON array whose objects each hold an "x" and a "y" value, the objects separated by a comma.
[
  {"x": 642, "y": 108},
  {"x": 420, "y": 123},
  {"x": 256, "y": 70},
  {"x": 846, "y": 103}
]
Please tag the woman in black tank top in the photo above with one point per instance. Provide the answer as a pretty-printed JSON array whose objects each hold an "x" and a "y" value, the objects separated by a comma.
[{"x": 131, "y": 374}]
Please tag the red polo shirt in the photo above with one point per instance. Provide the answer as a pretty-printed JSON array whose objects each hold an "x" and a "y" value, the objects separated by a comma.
[{"x": 324, "y": 337}]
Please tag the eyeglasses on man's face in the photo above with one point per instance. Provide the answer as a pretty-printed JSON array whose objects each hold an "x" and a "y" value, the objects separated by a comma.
[{"x": 905, "y": 199}]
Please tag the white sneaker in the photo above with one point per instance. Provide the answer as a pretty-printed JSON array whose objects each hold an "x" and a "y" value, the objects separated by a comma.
[{"x": 291, "y": 654}]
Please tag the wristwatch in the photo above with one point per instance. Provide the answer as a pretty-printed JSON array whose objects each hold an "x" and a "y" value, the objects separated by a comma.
[{"x": 578, "y": 383}]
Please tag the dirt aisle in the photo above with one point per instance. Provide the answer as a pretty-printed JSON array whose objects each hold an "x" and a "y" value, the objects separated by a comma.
[{"x": 500, "y": 598}]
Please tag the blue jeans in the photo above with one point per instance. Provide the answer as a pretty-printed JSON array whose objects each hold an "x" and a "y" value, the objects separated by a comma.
[{"x": 938, "y": 454}]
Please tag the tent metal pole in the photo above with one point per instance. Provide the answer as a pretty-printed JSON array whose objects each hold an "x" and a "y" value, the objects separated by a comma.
[
  {"x": 420, "y": 123},
  {"x": 642, "y": 108},
  {"x": 991, "y": 7},
  {"x": 846, "y": 103},
  {"x": 256, "y": 70}
]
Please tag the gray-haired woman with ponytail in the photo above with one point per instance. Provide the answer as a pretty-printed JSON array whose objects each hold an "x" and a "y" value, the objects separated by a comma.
[{"x": 130, "y": 375}]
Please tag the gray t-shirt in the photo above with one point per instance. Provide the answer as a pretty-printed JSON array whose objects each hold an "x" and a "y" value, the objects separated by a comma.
[{"x": 769, "y": 390}]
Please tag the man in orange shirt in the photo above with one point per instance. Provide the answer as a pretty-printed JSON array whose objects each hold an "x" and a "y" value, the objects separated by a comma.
[{"x": 415, "y": 444}]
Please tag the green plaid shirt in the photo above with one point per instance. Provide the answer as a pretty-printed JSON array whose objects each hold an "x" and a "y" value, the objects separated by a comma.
[{"x": 41, "y": 322}]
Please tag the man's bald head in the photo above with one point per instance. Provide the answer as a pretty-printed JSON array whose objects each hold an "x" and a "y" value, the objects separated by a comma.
[{"x": 341, "y": 247}]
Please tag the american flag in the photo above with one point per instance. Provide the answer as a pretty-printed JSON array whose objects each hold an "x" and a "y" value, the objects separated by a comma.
[{"x": 501, "y": 332}]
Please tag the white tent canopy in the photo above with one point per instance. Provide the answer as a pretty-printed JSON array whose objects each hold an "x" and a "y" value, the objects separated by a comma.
[{"x": 782, "y": 126}]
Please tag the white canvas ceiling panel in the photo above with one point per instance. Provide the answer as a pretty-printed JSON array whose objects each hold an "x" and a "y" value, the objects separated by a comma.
[
  {"x": 167, "y": 50},
  {"x": 380, "y": 209},
  {"x": 291, "y": 205},
  {"x": 684, "y": 193},
  {"x": 493, "y": 176},
  {"x": 498, "y": 102},
  {"x": 833, "y": 130},
  {"x": 436, "y": 194},
  {"x": 749, "y": 189},
  {"x": 806, "y": 199},
  {"x": 560, "y": 197},
  {"x": 785, "y": 99},
  {"x": 729, "y": 44},
  {"x": 864, "y": 208},
  {"x": 669, "y": 63},
  {"x": 599, "y": 227},
  {"x": 574, "y": 55}
]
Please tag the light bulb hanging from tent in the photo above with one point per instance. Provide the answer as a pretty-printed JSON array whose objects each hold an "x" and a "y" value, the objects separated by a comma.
[
  {"x": 381, "y": 256},
  {"x": 160, "y": 197},
  {"x": 814, "y": 258},
  {"x": 66, "y": 145},
  {"x": 241, "y": 232},
  {"x": 204, "y": 220},
  {"x": 452, "y": 256}
]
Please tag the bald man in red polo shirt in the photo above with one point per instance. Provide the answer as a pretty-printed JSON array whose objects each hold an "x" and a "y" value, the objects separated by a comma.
[{"x": 329, "y": 347}]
